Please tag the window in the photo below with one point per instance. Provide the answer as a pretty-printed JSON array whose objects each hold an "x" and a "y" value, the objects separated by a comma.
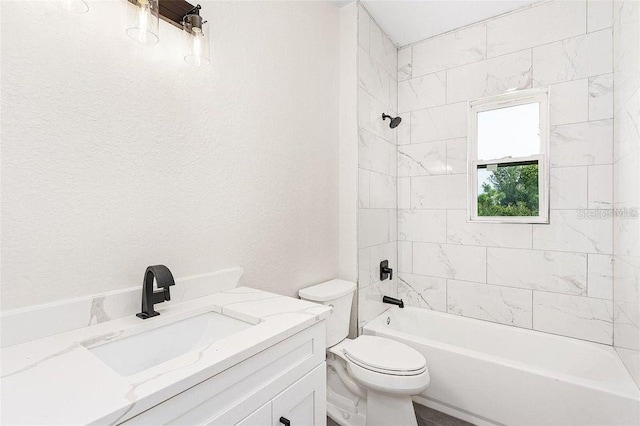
[{"x": 508, "y": 158}]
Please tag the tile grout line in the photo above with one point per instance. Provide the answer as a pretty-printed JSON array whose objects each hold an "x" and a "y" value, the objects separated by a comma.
[
  {"x": 486, "y": 40},
  {"x": 520, "y": 51},
  {"x": 587, "y": 277},
  {"x": 532, "y": 310},
  {"x": 487, "y": 58},
  {"x": 613, "y": 182},
  {"x": 588, "y": 77},
  {"x": 503, "y": 286},
  {"x": 484, "y": 21},
  {"x": 586, "y": 16},
  {"x": 486, "y": 265}
]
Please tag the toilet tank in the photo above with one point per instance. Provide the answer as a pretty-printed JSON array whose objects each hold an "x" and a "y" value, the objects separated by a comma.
[{"x": 339, "y": 295}]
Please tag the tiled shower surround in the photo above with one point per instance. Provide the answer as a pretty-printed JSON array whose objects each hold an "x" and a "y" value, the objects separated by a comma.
[
  {"x": 377, "y": 204},
  {"x": 626, "y": 156},
  {"x": 556, "y": 277}
]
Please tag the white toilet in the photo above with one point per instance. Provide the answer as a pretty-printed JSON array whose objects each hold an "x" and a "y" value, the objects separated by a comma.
[{"x": 370, "y": 380}]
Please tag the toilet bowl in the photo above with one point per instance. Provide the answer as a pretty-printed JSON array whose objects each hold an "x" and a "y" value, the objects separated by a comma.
[{"x": 370, "y": 379}]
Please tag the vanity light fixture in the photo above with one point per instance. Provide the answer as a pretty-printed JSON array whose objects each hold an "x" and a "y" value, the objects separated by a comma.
[
  {"x": 143, "y": 24},
  {"x": 196, "y": 35},
  {"x": 142, "y": 21}
]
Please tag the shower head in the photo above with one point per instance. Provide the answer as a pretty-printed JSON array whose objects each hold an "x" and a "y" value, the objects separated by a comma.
[{"x": 395, "y": 121}]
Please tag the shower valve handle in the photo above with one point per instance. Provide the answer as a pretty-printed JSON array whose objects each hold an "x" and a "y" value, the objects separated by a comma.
[{"x": 385, "y": 271}]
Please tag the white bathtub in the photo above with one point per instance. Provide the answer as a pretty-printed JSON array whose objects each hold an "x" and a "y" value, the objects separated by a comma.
[{"x": 491, "y": 374}]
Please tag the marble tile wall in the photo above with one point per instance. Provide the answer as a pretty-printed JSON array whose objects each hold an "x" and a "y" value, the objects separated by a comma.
[
  {"x": 554, "y": 278},
  {"x": 626, "y": 196},
  {"x": 377, "y": 164}
]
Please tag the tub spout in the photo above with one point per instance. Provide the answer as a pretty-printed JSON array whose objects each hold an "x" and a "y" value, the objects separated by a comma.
[{"x": 393, "y": 301}]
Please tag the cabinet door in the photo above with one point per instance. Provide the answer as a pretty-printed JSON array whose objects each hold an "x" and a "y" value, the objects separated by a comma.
[
  {"x": 304, "y": 403},
  {"x": 260, "y": 417}
]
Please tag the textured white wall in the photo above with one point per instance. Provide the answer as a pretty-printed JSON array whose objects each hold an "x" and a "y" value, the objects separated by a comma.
[
  {"x": 116, "y": 156},
  {"x": 348, "y": 259},
  {"x": 348, "y": 252}
]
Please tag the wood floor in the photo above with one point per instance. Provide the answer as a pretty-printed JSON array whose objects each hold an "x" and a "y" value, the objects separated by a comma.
[{"x": 427, "y": 417}]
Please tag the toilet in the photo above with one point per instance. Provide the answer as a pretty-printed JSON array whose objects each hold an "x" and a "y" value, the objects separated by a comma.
[{"x": 370, "y": 379}]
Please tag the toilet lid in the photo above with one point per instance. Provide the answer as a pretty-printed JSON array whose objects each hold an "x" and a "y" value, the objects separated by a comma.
[{"x": 385, "y": 355}]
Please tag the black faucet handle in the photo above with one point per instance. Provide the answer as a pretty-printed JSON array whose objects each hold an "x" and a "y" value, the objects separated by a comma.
[
  {"x": 162, "y": 295},
  {"x": 385, "y": 271}
]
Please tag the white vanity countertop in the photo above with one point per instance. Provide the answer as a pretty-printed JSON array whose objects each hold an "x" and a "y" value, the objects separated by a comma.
[{"x": 57, "y": 380}]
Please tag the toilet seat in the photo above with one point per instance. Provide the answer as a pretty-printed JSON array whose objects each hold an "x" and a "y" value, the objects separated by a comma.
[
  {"x": 384, "y": 365},
  {"x": 385, "y": 356}
]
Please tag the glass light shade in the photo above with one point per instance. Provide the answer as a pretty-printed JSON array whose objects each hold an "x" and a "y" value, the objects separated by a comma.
[
  {"x": 75, "y": 6},
  {"x": 143, "y": 21},
  {"x": 197, "y": 45}
]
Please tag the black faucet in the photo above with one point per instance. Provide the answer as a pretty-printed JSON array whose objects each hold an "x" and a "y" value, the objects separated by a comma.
[
  {"x": 164, "y": 279},
  {"x": 393, "y": 301}
]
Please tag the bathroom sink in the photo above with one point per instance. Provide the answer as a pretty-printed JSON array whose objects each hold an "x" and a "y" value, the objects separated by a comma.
[{"x": 147, "y": 349}]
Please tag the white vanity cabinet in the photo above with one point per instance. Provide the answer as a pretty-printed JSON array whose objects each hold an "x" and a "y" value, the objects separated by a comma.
[
  {"x": 285, "y": 382},
  {"x": 261, "y": 417},
  {"x": 304, "y": 402},
  {"x": 301, "y": 404}
]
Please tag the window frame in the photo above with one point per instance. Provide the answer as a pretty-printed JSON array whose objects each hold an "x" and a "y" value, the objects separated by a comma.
[{"x": 512, "y": 99}]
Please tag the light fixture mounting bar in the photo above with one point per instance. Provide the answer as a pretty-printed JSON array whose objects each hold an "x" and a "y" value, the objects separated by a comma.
[{"x": 173, "y": 11}]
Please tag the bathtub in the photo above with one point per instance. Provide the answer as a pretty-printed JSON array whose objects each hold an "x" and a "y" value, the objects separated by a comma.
[{"x": 491, "y": 374}]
